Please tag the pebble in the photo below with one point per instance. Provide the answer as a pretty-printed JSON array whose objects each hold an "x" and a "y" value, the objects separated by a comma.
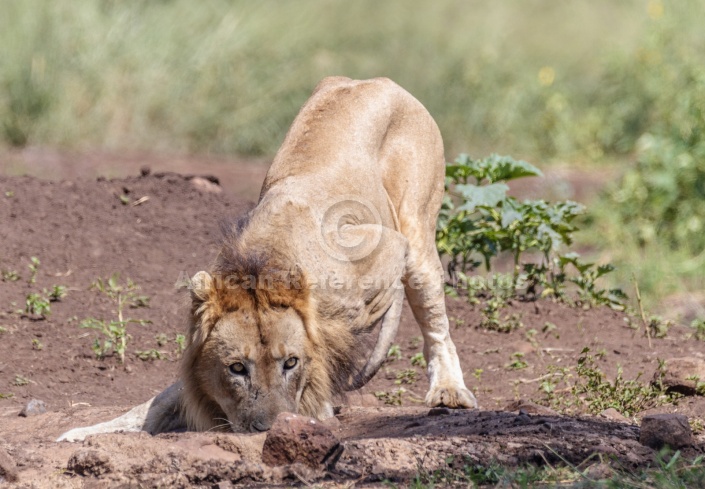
[{"x": 34, "y": 407}]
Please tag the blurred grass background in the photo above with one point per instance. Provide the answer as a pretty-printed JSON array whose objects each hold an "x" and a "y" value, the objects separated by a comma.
[{"x": 582, "y": 83}]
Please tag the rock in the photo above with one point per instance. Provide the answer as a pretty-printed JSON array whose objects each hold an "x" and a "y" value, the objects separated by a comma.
[
  {"x": 362, "y": 400},
  {"x": 299, "y": 439},
  {"x": 659, "y": 430},
  {"x": 332, "y": 423},
  {"x": 90, "y": 462},
  {"x": 34, "y": 407},
  {"x": 205, "y": 185},
  {"x": 8, "y": 469},
  {"x": 613, "y": 415},
  {"x": 529, "y": 407},
  {"x": 599, "y": 471},
  {"x": 682, "y": 375},
  {"x": 438, "y": 411}
]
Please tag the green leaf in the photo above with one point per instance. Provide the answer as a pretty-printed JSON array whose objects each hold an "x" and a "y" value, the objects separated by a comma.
[
  {"x": 503, "y": 168},
  {"x": 510, "y": 216},
  {"x": 484, "y": 195}
]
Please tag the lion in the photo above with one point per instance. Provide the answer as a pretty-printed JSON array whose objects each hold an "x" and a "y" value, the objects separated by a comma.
[{"x": 344, "y": 229}]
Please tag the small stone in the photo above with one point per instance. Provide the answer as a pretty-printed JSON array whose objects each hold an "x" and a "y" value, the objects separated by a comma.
[
  {"x": 89, "y": 462},
  {"x": 599, "y": 471},
  {"x": 300, "y": 439},
  {"x": 8, "y": 469},
  {"x": 205, "y": 185},
  {"x": 681, "y": 375},
  {"x": 659, "y": 430},
  {"x": 332, "y": 423},
  {"x": 362, "y": 400},
  {"x": 529, "y": 407},
  {"x": 145, "y": 171},
  {"x": 34, "y": 407},
  {"x": 438, "y": 411},
  {"x": 613, "y": 415},
  {"x": 522, "y": 418}
]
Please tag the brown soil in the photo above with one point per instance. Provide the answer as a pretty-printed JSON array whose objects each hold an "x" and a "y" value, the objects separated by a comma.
[{"x": 81, "y": 230}]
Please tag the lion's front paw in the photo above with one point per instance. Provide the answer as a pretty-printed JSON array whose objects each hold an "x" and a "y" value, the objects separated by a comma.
[{"x": 452, "y": 397}]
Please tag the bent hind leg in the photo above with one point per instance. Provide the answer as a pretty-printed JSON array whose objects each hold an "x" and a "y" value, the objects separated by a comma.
[{"x": 160, "y": 414}]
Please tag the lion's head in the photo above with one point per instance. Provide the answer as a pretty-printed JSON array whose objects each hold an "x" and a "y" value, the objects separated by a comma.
[{"x": 255, "y": 349}]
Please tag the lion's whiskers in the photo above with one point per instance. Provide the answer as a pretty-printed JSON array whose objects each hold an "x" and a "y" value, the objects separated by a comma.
[{"x": 227, "y": 423}]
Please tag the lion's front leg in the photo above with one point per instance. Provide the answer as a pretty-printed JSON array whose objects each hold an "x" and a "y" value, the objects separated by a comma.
[{"x": 424, "y": 290}]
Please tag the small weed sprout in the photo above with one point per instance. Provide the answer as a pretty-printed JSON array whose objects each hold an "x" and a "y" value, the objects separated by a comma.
[
  {"x": 394, "y": 353},
  {"x": 548, "y": 327},
  {"x": 478, "y": 374},
  {"x": 139, "y": 301},
  {"x": 161, "y": 339},
  {"x": 406, "y": 376},
  {"x": 418, "y": 360},
  {"x": 517, "y": 361},
  {"x": 3, "y": 330},
  {"x": 658, "y": 327},
  {"x": 699, "y": 385},
  {"x": 180, "y": 341},
  {"x": 114, "y": 332},
  {"x": 699, "y": 326},
  {"x": 10, "y": 276},
  {"x": 150, "y": 355},
  {"x": 20, "y": 380},
  {"x": 56, "y": 293},
  {"x": 9, "y": 395},
  {"x": 33, "y": 269},
  {"x": 530, "y": 336},
  {"x": 37, "y": 345},
  {"x": 696, "y": 425},
  {"x": 393, "y": 398},
  {"x": 37, "y": 305}
]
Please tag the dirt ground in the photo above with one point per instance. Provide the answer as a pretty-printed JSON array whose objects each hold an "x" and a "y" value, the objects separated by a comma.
[{"x": 162, "y": 227}]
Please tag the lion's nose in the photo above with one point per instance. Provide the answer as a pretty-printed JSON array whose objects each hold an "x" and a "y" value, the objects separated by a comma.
[{"x": 260, "y": 426}]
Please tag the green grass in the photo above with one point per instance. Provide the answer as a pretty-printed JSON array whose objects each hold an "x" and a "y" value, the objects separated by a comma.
[
  {"x": 542, "y": 80},
  {"x": 671, "y": 471},
  {"x": 522, "y": 78}
]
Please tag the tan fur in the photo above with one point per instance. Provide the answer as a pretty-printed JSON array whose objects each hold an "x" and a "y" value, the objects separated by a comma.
[
  {"x": 375, "y": 144},
  {"x": 351, "y": 198},
  {"x": 224, "y": 293}
]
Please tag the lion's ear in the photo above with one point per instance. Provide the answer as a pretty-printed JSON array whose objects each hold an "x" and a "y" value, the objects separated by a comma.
[
  {"x": 202, "y": 304},
  {"x": 201, "y": 288}
]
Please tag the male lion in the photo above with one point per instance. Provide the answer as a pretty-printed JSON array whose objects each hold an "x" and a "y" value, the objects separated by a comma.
[{"x": 345, "y": 225}]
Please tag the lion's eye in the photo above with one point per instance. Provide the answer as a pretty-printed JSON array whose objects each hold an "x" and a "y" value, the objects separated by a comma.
[
  {"x": 238, "y": 368},
  {"x": 291, "y": 363}
]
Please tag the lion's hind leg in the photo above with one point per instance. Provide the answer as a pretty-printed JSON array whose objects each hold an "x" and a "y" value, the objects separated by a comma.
[{"x": 160, "y": 414}]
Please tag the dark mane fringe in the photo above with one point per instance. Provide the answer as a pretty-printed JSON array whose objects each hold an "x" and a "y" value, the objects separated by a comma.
[
  {"x": 271, "y": 272},
  {"x": 244, "y": 278},
  {"x": 269, "y": 280}
]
